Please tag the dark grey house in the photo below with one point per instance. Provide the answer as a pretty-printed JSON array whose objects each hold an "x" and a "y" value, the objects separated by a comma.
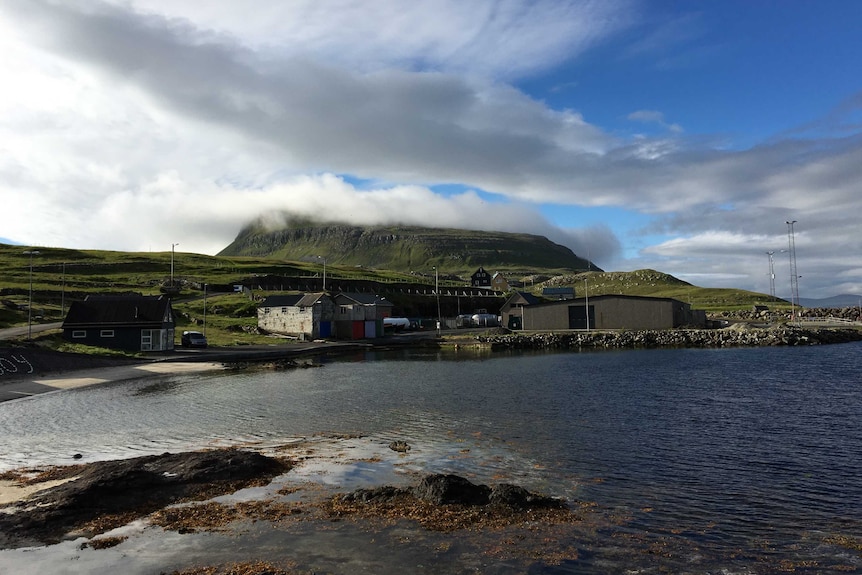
[
  {"x": 480, "y": 278},
  {"x": 127, "y": 322}
]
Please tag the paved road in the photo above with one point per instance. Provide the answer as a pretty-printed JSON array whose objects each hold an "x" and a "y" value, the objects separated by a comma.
[{"x": 17, "y": 332}]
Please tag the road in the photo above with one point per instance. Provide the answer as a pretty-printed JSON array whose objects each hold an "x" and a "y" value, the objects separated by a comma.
[{"x": 18, "y": 332}]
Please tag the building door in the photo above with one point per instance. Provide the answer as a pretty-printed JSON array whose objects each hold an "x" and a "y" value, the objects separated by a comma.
[{"x": 578, "y": 317}]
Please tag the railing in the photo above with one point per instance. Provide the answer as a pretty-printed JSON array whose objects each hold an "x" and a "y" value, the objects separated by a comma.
[{"x": 829, "y": 320}]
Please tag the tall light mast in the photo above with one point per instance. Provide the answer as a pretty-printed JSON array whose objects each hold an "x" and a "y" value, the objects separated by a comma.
[{"x": 794, "y": 278}]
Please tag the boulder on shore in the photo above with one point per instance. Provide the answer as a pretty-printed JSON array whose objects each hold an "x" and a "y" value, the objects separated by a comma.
[{"x": 107, "y": 494}]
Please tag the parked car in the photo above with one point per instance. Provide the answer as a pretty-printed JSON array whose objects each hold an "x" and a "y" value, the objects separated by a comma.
[{"x": 193, "y": 339}]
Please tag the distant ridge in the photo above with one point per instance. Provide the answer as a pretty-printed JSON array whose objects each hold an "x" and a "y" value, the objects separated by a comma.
[
  {"x": 843, "y": 300},
  {"x": 405, "y": 248}
]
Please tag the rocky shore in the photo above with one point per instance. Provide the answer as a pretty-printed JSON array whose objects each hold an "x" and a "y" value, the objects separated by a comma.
[{"x": 697, "y": 338}]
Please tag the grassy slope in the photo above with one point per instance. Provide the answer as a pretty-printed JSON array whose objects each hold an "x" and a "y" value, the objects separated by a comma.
[
  {"x": 93, "y": 271},
  {"x": 406, "y": 248}
]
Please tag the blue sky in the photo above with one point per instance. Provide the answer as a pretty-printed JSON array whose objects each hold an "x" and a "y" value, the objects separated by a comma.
[{"x": 678, "y": 136}]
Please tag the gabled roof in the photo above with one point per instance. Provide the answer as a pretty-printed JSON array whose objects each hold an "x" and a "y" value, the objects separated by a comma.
[
  {"x": 292, "y": 300},
  {"x": 363, "y": 299},
  {"x": 134, "y": 310},
  {"x": 523, "y": 297}
]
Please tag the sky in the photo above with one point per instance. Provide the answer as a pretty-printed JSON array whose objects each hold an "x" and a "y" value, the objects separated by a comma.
[{"x": 680, "y": 136}]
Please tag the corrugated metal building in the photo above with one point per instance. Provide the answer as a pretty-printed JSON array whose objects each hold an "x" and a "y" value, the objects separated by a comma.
[{"x": 601, "y": 312}]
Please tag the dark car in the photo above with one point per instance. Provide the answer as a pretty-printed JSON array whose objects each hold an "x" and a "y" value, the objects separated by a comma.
[{"x": 193, "y": 339}]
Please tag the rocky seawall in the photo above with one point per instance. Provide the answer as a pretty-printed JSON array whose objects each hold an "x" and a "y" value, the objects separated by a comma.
[{"x": 704, "y": 338}]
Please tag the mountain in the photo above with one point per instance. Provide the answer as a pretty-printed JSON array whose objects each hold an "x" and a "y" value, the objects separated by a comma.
[
  {"x": 836, "y": 301},
  {"x": 404, "y": 248}
]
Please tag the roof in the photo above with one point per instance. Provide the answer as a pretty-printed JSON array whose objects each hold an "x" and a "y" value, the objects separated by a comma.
[
  {"x": 135, "y": 310},
  {"x": 558, "y": 291},
  {"x": 292, "y": 300},
  {"x": 580, "y": 300},
  {"x": 523, "y": 296},
  {"x": 364, "y": 299}
]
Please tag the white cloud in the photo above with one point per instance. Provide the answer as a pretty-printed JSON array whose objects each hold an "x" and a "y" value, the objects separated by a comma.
[{"x": 123, "y": 128}]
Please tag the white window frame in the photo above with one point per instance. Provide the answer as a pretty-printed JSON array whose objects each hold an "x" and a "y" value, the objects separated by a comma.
[
  {"x": 79, "y": 333},
  {"x": 106, "y": 333}
]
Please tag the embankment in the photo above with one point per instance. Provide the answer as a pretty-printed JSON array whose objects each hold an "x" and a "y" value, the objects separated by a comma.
[{"x": 703, "y": 338}]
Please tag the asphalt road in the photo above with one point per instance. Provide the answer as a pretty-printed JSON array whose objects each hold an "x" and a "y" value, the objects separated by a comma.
[{"x": 17, "y": 332}]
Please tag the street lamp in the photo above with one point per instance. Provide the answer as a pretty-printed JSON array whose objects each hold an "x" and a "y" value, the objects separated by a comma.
[
  {"x": 31, "y": 253},
  {"x": 771, "y": 274},
  {"x": 205, "y": 310},
  {"x": 437, "y": 293},
  {"x": 324, "y": 271},
  {"x": 172, "y": 263},
  {"x": 794, "y": 278},
  {"x": 587, "y": 304}
]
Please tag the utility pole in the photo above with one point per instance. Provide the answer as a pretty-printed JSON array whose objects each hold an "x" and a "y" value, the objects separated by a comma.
[
  {"x": 771, "y": 274},
  {"x": 794, "y": 278},
  {"x": 437, "y": 293},
  {"x": 587, "y": 303},
  {"x": 172, "y": 263},
  {"x": 31, "y": 253},
  {"x": 324, "y": 271}
]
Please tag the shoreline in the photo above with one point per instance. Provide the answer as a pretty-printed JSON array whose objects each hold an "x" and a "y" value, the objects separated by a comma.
[{"x": 27, "y": 371}]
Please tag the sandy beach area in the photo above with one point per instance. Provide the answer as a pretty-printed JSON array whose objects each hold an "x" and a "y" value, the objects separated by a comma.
[{"x": 25, "y": 386}]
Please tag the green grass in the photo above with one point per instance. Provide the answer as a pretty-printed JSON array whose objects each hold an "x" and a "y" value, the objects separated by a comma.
[{"x": 60, "y": 276}]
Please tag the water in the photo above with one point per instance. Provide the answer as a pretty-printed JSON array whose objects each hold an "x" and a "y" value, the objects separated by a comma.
[{"x": 699, "y": 461}]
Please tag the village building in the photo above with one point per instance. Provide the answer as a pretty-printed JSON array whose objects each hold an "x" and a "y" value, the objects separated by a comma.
[
  {"x": 600, "y": 312},
  {"x": 558, "y": 293},
  {"x": 360, "y": 316},
  {"x": 499, "y": 283},
  {"x": 304, "y": 316},
  {"x": 125, "y": 322},
  {"x": 480, "y": 278},
  {"x": 511, "y": 312},
  {"x": 321, "y": 316}
]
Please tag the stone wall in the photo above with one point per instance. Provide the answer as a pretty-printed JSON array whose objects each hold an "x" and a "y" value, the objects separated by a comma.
[{"x": 730, "y": 337}]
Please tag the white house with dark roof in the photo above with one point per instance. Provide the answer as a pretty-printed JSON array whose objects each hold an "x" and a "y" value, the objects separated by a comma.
[{"x": 306, "y": 316}]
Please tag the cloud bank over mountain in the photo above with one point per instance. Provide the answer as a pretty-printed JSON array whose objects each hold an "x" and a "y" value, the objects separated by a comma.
[{"x": 134, "y": 125}]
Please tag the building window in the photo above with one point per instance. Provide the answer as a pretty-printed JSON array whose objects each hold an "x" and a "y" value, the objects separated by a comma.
[
  {"x": 345, "y": 309},
  {"x": 106, "y": 333},
  {"x": 79, "y": 334},
  {"x": 146, "y": 340},
  {"x": 284, "y": 310}
]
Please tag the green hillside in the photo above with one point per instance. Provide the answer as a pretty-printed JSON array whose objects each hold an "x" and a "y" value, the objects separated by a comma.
[
  {"x": 406, "y": 248},
  {"x": 60, "y": 276}
]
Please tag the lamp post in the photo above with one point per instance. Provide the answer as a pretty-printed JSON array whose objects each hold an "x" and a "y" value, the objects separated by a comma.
[
  {"x": 794, "y": 278},
  {"x": 771, "y": 274},
  {"x": 172, "y": 263},
  {"x": 205, "y": 310},
  {"x": 31, "y": 253},
  {"x": 587, "y": 304},
  {"x": 324, "y": 271},
  {"x": 437, "y": 293}
]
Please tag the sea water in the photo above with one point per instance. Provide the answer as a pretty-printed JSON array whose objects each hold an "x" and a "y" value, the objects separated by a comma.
[{"x": 698, "y": 461}]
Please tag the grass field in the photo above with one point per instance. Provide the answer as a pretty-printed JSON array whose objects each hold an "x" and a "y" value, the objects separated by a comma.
[{"x": 54, "y": 277}]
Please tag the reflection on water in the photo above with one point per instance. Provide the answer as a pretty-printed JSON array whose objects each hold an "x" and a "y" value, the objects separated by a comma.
[{"x": 699, "y": 460}]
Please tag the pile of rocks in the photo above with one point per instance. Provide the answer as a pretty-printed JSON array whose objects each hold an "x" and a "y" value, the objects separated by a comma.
[{"x": 707, "y": 338}]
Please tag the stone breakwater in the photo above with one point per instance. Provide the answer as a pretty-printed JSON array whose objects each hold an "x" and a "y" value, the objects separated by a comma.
[{"x": 705, "y": 338}]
